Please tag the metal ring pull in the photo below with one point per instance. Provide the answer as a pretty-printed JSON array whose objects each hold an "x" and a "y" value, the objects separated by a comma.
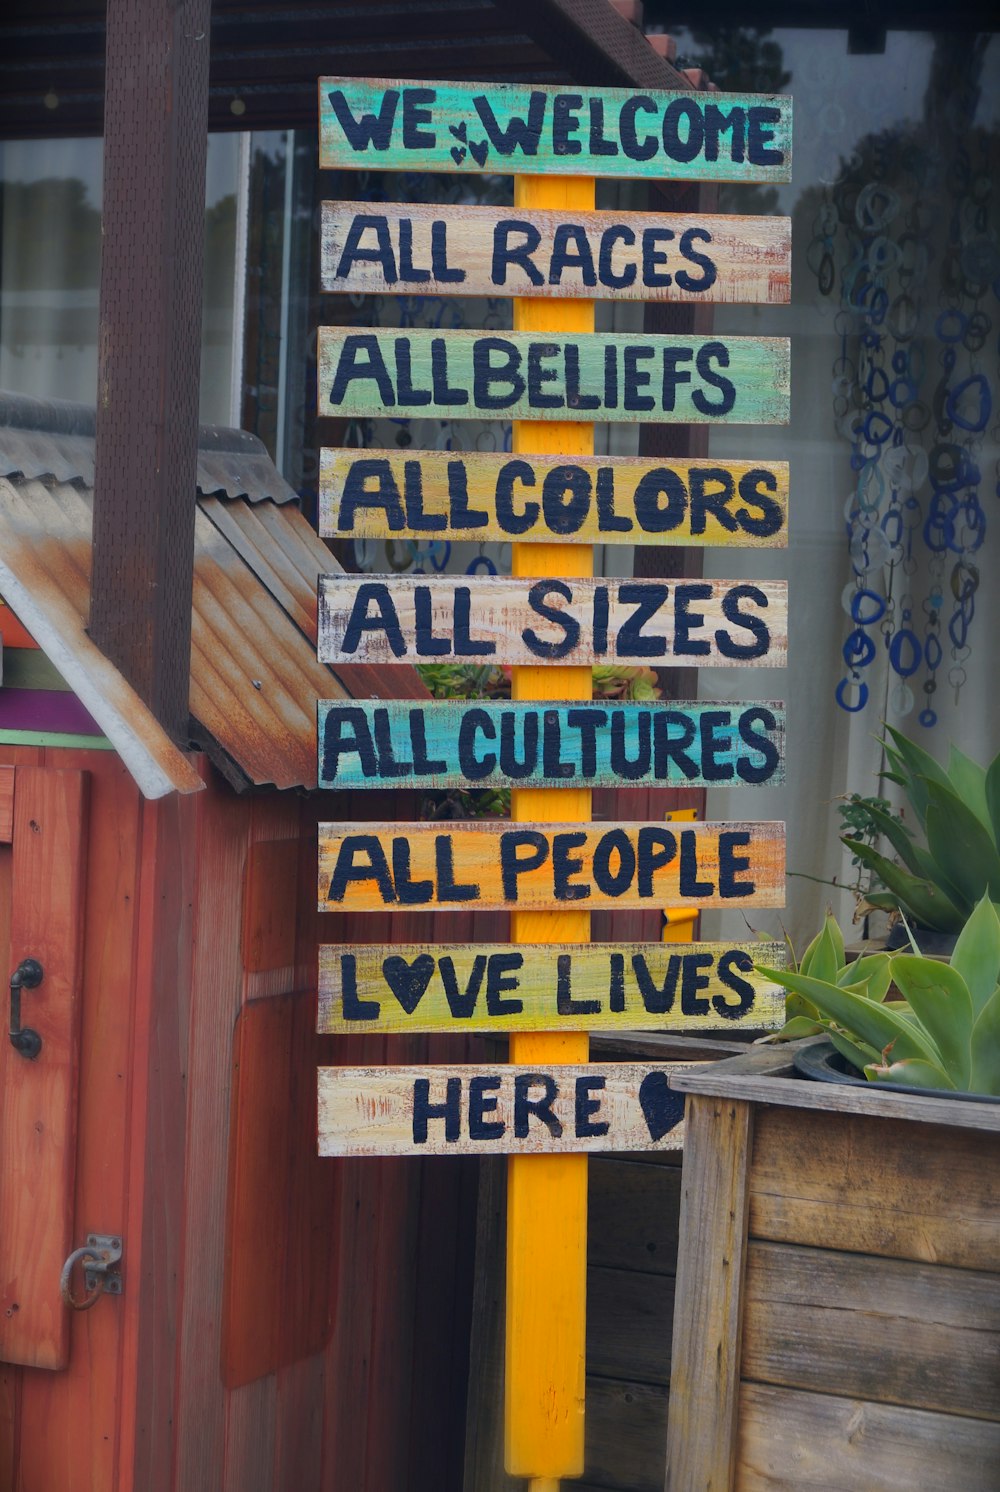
[{"x": 100, "y": 1275}]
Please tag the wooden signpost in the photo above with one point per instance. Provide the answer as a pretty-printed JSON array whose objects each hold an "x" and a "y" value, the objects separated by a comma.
[
  {"x": 448, "y": 744},
  {"x": 391, "y": 248},
  {"x": 547, "y": 499},
  {"x": 553, "y": 499},
  {"x": 410, "y": 618},
  {"x": 500, "y": 1110},
  {"x": 596, "y": 987}
]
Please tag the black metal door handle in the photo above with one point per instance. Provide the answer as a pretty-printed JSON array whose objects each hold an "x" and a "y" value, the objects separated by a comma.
[{"x": 27, "y": 975}]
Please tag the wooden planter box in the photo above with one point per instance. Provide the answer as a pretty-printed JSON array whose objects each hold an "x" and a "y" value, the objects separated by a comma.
[{"x": 837, "y": 1316}]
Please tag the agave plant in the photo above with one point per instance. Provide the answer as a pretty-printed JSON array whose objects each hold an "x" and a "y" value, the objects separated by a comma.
[
  {"x": 943, "y": 1033},
  {"x": 958, "y": 808}
]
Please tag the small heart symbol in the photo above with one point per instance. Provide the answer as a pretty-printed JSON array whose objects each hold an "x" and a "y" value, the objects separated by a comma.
[
  {"x": 661, "y": 1109},
  {"x": 458, "y": 130},
  {"x": 408, "y": 982},
  {"x": 480, "y": 150},
  {"x": 458, "y": 154}
]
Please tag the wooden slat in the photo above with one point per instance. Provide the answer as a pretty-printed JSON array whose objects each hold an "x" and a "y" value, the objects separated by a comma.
[
  {"x": 497, "y": 1110},
  {"x": 766, "y": 1077},
  {"x": 626, "y": 1429},
  {"x": 633, "y": 1216},
  {"x": 814, "y": 1175},
  {"x": 393, "y": 125},
  {"x": 6, "y": 804},
  {"x": 422, "y": 374},
  {"x": 546, "y": 987},
  {"x": 270, "y": 895},
  {"x": 720, "y": 623},
  {"x": 528, "y": 498},
  {"x": 481, "y": 744},
  {"x": 629, "y": 1323},
  {"x": 389, "y": 248},
  {"x": 701, "y": 1442},
  {"x": 559, "y": 865},
  {"x": 879, "y": 1329},
  {"x": 39, "y": 1098},
  {"x": 805, "y": 1442}
]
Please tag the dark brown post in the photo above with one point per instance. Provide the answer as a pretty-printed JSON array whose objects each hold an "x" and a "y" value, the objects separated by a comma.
[{"x": 155, "y": 142}]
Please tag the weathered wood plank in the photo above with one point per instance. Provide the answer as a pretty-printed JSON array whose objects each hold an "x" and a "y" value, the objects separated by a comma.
[
  {"x": 395, "y": 125},
  {"x": 892, "y": 1332},
  {"x": 499, "y": 987},
  {"x": 484, "y": 743},
  {"x": 390, "y": 248},
  {"x": 492, "y": 497},
  {"x": 814, "y": 1174},
  {"x": 708, "y": 1315},
  {"x": 499, "y": 1110},
  {"x": 766, "y": 1078},
  {"x": 544, "y": 867},
  {"x": 6, "y": 804},
  {"x": 616, "y": 376},
  {"x": 38, "y": 1098},
  {"x": 383, "y": 618},
  {"x": 629, "y": 1323},
  {"x": 633, "y": 1217},
  {"x": 806, "y": 1442},
  {"x": 625, "y": 1432}
]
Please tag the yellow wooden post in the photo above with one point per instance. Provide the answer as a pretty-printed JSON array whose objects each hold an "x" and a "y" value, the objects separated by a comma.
[{"x": 547, "y": 1195}]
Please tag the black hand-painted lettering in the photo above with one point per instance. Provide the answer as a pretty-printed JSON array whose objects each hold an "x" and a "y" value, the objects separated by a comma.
[
  {"x": 565, "y": 1003},
  {"x": 652, "y": 516},
  {"x": 541, "y": 1108},
  {"x": 505, "y": 253},
  {"x": 509, "y": 520},
  {"x": 461, "y": 515},
  {"x": 757, "y": 740},
  {"x": 655, "y": 850},
  {"x": 409, "y": 892},
  {"x": 443, "y": 392},
  {"x": 657, "y": 999},
  {"x": 388, "y": 766},
  {"x": 409, "y": 273},
  {"x": 566, "y": 865},
  {"x": 357, "y": 494},
  {"x": 616, "y": 983},
  {"x": 686, "y": 593},
  {"x": 647, "y": 597},
  {"x": 755, "y": 625},
  {"x": 422, "y": 765},
  {"x": 653, "y": 256},
  {"x": 754, "y": 488},
  {"x": 373, "y": 593},
  {"x": 688, "y": 882},
  {"x": 443, "y": 272},
  {"x": 674, "y": 376},
  {"x": 587, "y": 719},
  {"x": 487, "y": 373},
  {"x": 444, "y": 867},
  {"x": 482, "y": 1101},
  {"x": 510, "y": 765},
  {"x": 709, "y": 353},
  {"x": 683, "y": 129},
  {"x": 608, "y": 521},
  {"x": 606, "y": 273},
  {"x": 709, "y": 273},
  {"x": 523, "y": 134},
  {"x": 584, "y": 1106},
  {"x": 570, "y": 626},
  {"x": 716, "y": 731},
  {"x": 717, "y": 123},
  {"x": 381, "y": 253},
  {"x": 730, "y": 865},
  {"x": 521, "y": 851},
  {"x": 361, "y": 361},
  {"x": 730, "y": 961},
  {"x": 539, "y": 375},
  {"x": 575, "y": 398},
  {"x": 450, "y": 1110},
  {"x": 565, "y": 123},
  {"x": 673, "y": 732},
  {"x": 415, "y": 114},
  {"x": 349, "y": 870},
  {"x": 413, "y": 493},
  {"x": 371, "y": 129},
  {"x": 695, "y": 978},
  {"x": 467, "y": 646},
  {"x": 462, "y": 1002},
  {"x": 636, "y": 768},
  {"x": 632, "y": 146},
  {"x": 354, "y": 1008},
  {"x": 425, "y": 642},
  {"x": 760, "y": 149},
  {"x": 502, "y": 979},
  {"x": 471, "y": 765},
  {"x": 566, "y": 496},
  {"x": 614, "y": 863},
  {"x": 599, "y": 144},
  {"x": 712, "y": 489},
  {"x": 553, "y": 766},
  {"x": 346, "y": 733},
  {"x": 635, "y": 378},
  {"x": 571, "y": 250}
]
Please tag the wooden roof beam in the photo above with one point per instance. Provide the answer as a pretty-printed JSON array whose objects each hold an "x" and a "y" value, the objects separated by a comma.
[{"x": 594, "y": 43}]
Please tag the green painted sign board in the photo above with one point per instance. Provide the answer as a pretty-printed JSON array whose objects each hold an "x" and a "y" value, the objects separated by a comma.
[
  {"x": 535, "y": 376},
  {"x": 390, "y": 125}
]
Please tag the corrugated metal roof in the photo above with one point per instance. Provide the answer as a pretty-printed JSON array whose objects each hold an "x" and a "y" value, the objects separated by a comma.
[
  {"x": 42, "y": 438},
  {"x": 255, "y": 679}
]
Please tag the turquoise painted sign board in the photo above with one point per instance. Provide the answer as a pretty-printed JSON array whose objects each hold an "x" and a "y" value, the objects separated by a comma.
[
  {"x": 480, "y": 744},
  {"x": 389, "y": 125}
]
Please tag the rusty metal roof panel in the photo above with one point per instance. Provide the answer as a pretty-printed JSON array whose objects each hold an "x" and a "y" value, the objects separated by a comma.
[{"x": 45, "y": 577}]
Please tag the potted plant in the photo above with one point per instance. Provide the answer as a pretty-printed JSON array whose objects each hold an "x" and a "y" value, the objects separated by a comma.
[
  {"x": 936, "y": 883},
  {"x": 837, "y": 1316}
]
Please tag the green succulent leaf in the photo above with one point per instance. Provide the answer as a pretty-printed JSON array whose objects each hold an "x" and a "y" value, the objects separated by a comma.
[
  {"x": 806, "y": 961},
  {"x": 985, "y": 1074},
  {"x": 928, "y": 904},
  {"x": 939, "y": 998},
  {"x": 864, "y": 1020},
  {"x": 870, "y": 974},
  {"x": 796, "y": 1028},
  {"x": 977, "y": 953},
  {"x": 968, "y": 779},
  {"x": 858, "y": 1053},
  {"x": 960, "y": 845},
  {"x": 913, "y": 855},
  {"x": 919, "y": 768},
  {"x": 795, "y": 1005},
  {"x": 911, "y": 1073},
  {"x": 827, "y": 952},
  {"x": 993, "y": 796}
]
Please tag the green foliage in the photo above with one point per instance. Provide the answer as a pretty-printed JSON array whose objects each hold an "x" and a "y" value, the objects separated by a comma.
[
  {"x": 943, "y": 1033},
  {"x": 958, "y": 808}
]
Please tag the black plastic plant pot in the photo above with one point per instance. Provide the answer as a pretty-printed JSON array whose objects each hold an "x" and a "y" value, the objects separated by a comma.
[{"x": 824, "y": 1064}]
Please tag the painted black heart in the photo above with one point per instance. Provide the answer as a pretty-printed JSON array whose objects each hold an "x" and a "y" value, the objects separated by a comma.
[
  {"x": 458, "y": 154},
  {"x": 408, "y": 982},
  {"x": 458, "y": 130},
  {"x": 479, "y": 150},
  {"x": 661, "y": 1109}
]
